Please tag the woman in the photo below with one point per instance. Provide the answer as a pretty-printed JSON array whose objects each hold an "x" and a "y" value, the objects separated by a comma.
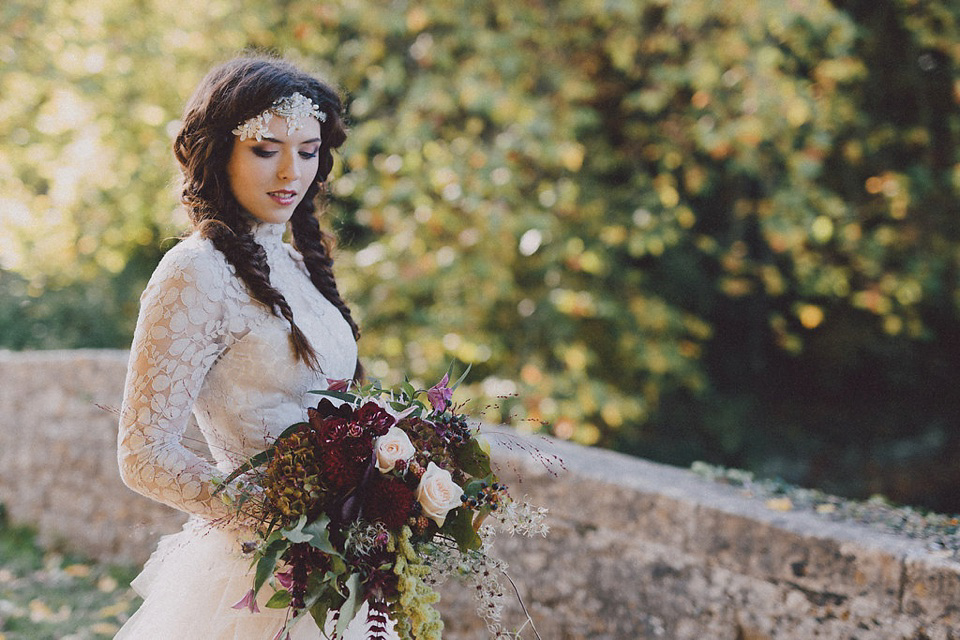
[{"x": 236, "y": 326}]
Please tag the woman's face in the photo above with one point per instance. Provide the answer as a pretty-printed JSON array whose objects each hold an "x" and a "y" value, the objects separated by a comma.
[{"x": 270, "y": 177}]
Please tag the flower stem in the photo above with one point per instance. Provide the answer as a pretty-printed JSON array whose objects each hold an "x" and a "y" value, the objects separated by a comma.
[{"x": 522, "y": 606}]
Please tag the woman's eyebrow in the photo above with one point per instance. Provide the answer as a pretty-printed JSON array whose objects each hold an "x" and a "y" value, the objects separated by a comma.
[{"x": 270, "y": 138}]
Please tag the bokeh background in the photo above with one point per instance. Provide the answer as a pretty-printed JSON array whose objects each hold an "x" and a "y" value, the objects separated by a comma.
[{"x": 685, "y": 229}]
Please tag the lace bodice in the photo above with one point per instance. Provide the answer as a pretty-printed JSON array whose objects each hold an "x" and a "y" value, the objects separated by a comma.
[{"x": 203, "y": 344}]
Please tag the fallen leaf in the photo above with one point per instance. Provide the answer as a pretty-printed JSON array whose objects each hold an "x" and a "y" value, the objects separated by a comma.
[
  {"x": 39, "y": 611},
  {"x": 779, "y": 504},
  {"x": 77, "y": 570},
  {"x": 106, "y": 628},
  {"x": 107, "y": 584},
  {"x": 113, "y": 610}
]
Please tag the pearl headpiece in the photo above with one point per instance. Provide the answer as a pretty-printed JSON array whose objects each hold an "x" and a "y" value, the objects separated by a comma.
[{"x": 294, "y": 109}]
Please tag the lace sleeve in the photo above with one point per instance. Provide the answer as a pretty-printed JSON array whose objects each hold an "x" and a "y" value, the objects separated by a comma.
[{"x": 183, "y": 327}]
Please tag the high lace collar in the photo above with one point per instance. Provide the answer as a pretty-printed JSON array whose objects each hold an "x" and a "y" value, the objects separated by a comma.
[{"x": 269, "y": 235}]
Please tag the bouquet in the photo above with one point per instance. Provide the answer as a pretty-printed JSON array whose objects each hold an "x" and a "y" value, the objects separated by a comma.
[{"x": 377, "y": 498}]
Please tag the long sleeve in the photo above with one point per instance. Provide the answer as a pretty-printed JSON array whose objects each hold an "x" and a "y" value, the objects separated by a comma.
[{"x": 183, "y": 327}]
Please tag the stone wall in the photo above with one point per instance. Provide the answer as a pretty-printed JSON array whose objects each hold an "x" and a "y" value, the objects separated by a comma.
[{"x": 637, "y": 550}]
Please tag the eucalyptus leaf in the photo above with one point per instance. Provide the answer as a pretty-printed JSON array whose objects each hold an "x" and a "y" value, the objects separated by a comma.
[
  {"x": 279, "y": 600},
  {"x": 319, "y": 535},
  {"x": 337, "y": 566},
  {"x": 268, "y": 563},
  {"x": 459, "y": 526},
  {"x": 297, "y": 534},
  {"x": 473, "y": 459},
  {"x": 340, "y": 395},
  {"x": 319, "y": 612},
  {"x": 351, "y": 605},
  {"x": 320, "y": 600}
]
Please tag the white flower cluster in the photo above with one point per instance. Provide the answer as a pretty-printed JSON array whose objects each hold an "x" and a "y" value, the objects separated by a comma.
[
  {"x": 489, "y": 591},
  {"x": 520, "y": 517},
  {"x": 364, "y": 538},
  {"x": 482, "y": 569}
]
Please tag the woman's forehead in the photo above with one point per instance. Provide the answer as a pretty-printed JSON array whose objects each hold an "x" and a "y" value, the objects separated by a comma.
[{"x": 277, "y": 127}]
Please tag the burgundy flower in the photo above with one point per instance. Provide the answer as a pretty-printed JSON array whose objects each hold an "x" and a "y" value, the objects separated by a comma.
[
  {"x": 285, "y": 578},
  {"x": 388, "y": 500},
  {"x": 440, "y": 394},
  {"x": 334, "y": 384},
  {"x": 249, "y": 601},
  {"x": 303, "y": 559},
  {"x": 342, "y": 464},
  {"x": 373, "y": 419},
  {"x": 326, "y": 409}
]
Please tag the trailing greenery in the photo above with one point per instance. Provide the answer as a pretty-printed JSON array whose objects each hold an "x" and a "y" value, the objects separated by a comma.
[{"x": 676, "y": 230}]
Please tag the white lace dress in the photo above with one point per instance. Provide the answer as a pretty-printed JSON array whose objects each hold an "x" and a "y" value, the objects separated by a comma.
[{"x": 202, "y": 344}]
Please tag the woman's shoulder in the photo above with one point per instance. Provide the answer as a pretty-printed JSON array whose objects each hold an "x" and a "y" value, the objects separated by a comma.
[
  {"x": 195, "y": 265},
  {"x": 195, "y": 256}
]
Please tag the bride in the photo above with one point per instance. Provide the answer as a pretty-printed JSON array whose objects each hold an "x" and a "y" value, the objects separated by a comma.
[{"x": 236, "y": 326}]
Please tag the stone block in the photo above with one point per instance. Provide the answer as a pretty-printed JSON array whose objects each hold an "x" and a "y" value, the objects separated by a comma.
[{"x": 931, "y": 590}]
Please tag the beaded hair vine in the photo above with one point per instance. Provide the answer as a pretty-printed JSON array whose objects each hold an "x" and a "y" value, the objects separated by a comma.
[{"x": 295, "y": 109}]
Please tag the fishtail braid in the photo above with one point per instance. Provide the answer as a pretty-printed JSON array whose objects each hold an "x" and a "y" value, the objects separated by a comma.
[
  {"x": 232, "y": 236},
  {"x": 316, "y": 248}
]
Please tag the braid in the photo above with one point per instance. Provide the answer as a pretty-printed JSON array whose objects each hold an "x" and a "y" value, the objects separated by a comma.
[
  {"x": 316, "y": 247},
  {"x": 250, "y": 262}
]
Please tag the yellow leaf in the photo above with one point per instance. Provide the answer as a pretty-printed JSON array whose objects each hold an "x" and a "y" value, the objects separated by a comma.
[
  {"x": 39, "y": 611},
  {"x": 106, "y": 628},
  {"x": 107, "y": 584},
  {"x": 779, "y": 504},
  {"x": 113, "y": 610},
  {"x": 77, "y": 570}
]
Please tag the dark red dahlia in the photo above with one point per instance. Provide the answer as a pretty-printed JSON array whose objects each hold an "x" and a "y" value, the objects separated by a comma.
[
  {"x": 342, "y": 463},
  {"x": 388, "y": 500},
  {"x": 373, "y": 419},
  {"x": 326, "y": 409}
]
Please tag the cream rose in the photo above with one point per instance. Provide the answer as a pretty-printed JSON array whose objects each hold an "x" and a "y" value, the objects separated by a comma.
[
  {"x": 438, "y": 493},
  {"x": 392, "y": 447}
]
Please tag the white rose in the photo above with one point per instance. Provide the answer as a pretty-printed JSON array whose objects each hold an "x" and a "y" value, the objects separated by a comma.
[
  {"x": 438, "y": 493},
  {"x": 392, "y": 447}
]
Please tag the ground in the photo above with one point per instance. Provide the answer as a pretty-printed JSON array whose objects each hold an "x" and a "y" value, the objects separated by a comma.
[{"x": 49, "y": 595}]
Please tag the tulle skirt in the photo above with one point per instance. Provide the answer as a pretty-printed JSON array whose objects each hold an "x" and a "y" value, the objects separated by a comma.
[{"x": 191, "y": 583}]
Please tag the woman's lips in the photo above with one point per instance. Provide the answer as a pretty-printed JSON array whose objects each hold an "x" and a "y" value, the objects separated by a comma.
[{"x": 283, "y": 198}]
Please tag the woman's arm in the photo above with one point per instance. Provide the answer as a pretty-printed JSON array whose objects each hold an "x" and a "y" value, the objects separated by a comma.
[{"x": 181, "y": 331}]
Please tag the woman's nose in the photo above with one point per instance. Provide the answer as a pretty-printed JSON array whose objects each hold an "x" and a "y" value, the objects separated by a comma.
[{"x": 289, "y": 168}]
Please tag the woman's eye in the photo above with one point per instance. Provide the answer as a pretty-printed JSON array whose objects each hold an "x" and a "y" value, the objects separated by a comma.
[
  {"x": 264, "y": 153},
  {"x": 306, "y": 155}
]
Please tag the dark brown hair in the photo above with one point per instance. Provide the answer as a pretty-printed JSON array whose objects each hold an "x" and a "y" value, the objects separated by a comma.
[{"x": 230, "y": 94}]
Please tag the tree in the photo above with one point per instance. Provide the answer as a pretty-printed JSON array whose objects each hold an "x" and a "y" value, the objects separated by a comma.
[{"x": 669, "y": 228}]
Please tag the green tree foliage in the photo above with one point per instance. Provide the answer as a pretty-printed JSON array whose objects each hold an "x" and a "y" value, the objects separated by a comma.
[{"x": 671, "y": 228}]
